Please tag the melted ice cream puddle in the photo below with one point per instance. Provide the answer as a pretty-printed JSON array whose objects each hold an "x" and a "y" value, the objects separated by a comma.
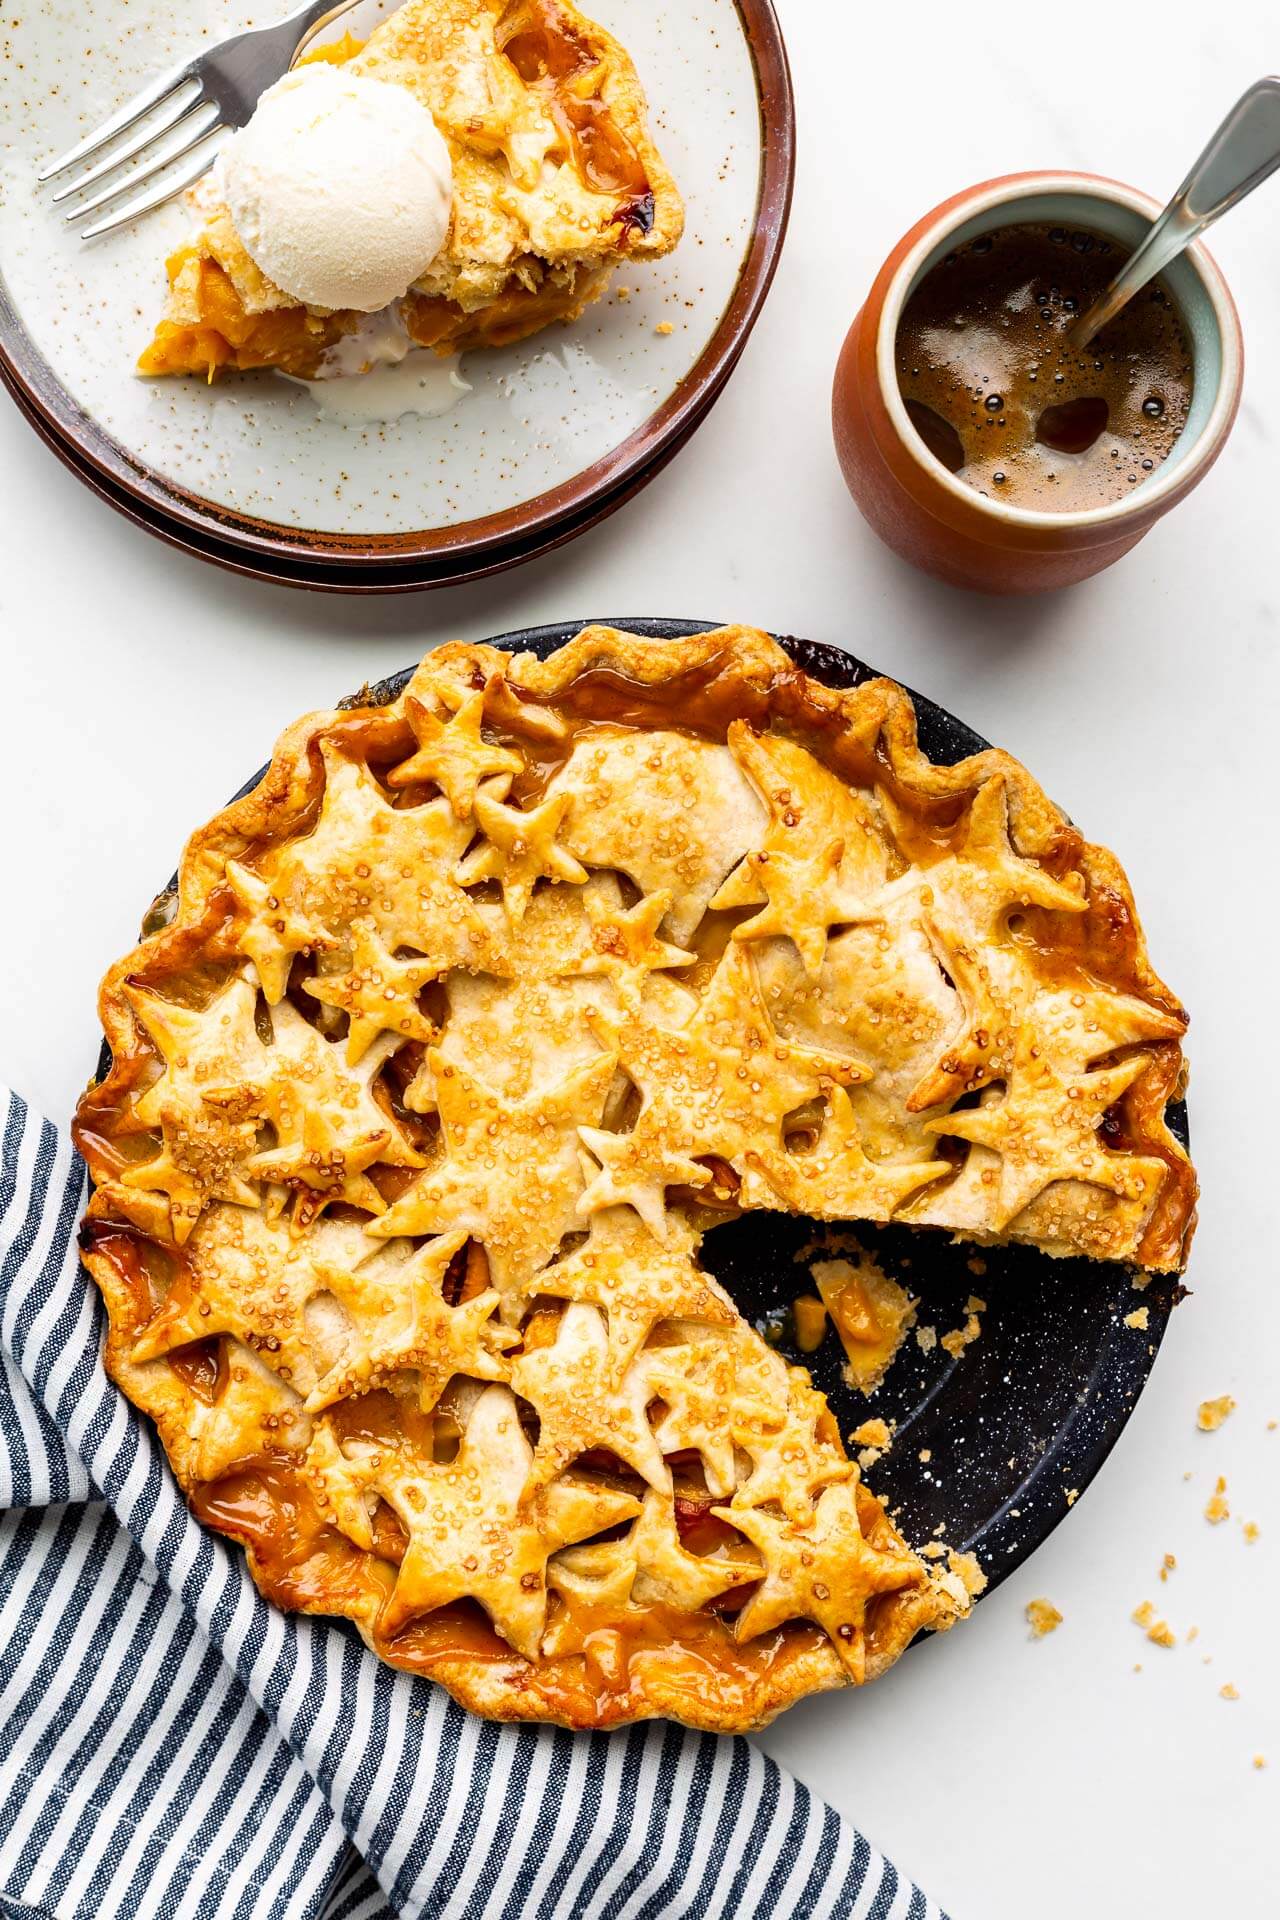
[
  {"x": 376, "y": 375},
  {"x": 421, "y": 383}
]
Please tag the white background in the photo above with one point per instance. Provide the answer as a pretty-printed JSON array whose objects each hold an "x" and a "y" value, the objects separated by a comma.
[{"x": 1013, "y": 1779}]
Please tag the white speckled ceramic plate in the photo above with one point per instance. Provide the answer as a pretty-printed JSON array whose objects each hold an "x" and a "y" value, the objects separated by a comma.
[{"x": 555, "y": 430}]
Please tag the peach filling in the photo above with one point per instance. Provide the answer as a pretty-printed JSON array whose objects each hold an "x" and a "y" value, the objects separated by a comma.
[{"x": 296, "y": 341}]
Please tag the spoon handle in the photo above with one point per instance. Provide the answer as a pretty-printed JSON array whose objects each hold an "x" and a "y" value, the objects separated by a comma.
[{"x": 1239, "y": 157}]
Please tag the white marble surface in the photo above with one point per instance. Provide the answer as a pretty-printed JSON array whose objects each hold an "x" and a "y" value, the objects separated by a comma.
[{"x": 1012, "y": 1778}]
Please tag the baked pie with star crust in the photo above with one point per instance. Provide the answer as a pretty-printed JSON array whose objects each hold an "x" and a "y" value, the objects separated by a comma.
[
  {"x": 556, "y": 182},
  {"x": 461, "y": 1031}
]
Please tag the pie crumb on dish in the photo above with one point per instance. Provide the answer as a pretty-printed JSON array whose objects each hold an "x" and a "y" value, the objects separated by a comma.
[
  {"x": 1211, "y": 1413},
  {"x": 969, "y": 1572},
  {"x": 870, "y": 1312},
  {"x": 874, "y": 1439},
  {"x": 460, "y": 1033},
  {"x": 956, "y": 1342}
]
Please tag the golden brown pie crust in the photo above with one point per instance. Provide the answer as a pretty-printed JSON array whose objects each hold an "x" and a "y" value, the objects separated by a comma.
[{"x": 464, "y": 1026}]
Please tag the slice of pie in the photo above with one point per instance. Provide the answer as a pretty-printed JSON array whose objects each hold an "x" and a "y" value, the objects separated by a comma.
[
  {"x": 556, "y": 182},
  {"x": 461, "y": 1031}
]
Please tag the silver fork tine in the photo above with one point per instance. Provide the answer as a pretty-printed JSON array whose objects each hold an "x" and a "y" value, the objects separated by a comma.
[
  {"x": 156, "y": 198},
  {"x": 142, "y": 102},
  {"x": 196, "y": 129},
  {"x": 118, "y": 155}
]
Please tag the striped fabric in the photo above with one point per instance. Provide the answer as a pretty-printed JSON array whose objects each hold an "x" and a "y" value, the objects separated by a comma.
[{"x": 170, "y": 1744}]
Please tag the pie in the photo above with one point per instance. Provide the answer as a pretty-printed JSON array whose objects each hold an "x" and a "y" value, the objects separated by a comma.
[
  {"x": 556, "y": 182},
  {"x": 459, "y": 1033}
]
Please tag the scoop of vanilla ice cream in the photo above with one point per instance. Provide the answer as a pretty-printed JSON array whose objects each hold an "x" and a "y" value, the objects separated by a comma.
[{"x": 339, "y": 187}]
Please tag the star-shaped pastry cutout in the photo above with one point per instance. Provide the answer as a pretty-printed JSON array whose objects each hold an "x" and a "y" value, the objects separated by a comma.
[
  {"x": 696, "y": 1384},
  {"x": 445, "y": 678},
  {"x": 1045, "y": 1124},
  {"x": 966, "y": 897},
  {"x": 821, "y": 861},
  {"x": 634, "y": 1170},
  {"x": 202, "y": 1157},
  {"x": 804, "y": 898},
  {"x": 520, "y": 848},
  {"x": 837, "y": 1179},
  {"x": 503, "y": 705},
  {"x": 309, "y": 1074},
  {"x": 378, "y": 993},
  {"x": 476, "y": 1531},
  {"x": 668, "y": 809},
  {"x": 993, "y": 989},
  {"x": 625, "y": 945},
  {"x": 649, "y": 1567},
  {"x": 273, "y": 930},
  {"x": 425, "y": 1333},
  {"x": 201, "y": 1047},
  {"x": 720, "y": 1086},
  {"x": 452, "y": 754},
  {"x": 982, "y": 877},
  {"x": 322, "y": 1165},
  {"x": 391, "y": 867},
  {"x": 246, "y": 1276},
  {"x": 826, "y": 1572},
  {"x": 787, "y": 1462},
  {"x": 223, "y": 1081},
  {"x": 667, "y": 1574},
  {"x": 343, "y": 1488},
  {"x": 579, "y": 1409},
  {"x": 510, "y": 1175},
  {"x": 253, "y": 1412},
  {"x": 636, "y": 1281}
]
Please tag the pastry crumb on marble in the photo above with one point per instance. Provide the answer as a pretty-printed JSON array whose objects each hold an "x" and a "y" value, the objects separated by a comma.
[
  {"x": 1042, "y": 1617},
  {"x": 1210, "y": 1414},
  {"x": 1216, "y": 1508}
]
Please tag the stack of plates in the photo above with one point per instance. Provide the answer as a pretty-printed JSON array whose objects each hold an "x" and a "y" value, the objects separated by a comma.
[{"x": 555, "y": 433}]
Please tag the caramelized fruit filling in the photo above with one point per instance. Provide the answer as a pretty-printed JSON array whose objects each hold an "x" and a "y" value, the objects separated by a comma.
[
  {"x": 289, "y": 338},
  {"x": 550, "y": 55}
]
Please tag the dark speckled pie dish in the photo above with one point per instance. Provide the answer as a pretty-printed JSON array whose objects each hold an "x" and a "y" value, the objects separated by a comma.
[
  {"x": 994, "y": 1443},
  {"x": 557, "y": 432}
]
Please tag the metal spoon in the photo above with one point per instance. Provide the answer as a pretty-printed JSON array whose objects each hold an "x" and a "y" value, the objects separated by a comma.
[{"x": 1239, "y": 157}]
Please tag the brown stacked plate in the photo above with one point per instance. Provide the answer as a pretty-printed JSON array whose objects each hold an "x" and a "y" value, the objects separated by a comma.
[{"x": 557, "y": 432}]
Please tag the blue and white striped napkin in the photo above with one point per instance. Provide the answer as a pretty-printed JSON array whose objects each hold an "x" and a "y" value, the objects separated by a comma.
[{"x": 171, "y": 1745}]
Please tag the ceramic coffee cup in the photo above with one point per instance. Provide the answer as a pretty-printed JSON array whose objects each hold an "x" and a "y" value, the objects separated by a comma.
[{"x": 930, "y": 516}]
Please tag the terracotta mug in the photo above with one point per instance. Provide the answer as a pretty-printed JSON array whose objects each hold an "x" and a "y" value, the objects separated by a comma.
[{"x": 929, "y": 515}]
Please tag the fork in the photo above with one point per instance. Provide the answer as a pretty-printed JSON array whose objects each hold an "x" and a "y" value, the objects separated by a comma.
[{"x": 183, "y": 108}]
